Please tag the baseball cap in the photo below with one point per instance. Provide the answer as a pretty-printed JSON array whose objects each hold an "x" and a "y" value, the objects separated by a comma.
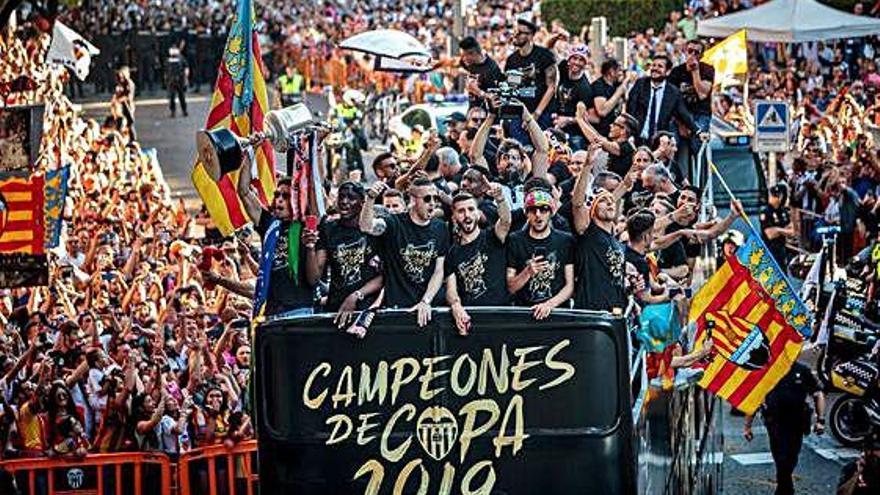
[{"x": 579, "y": 50}]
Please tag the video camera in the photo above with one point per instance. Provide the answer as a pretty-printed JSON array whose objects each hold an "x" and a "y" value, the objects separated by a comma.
[{"x": 510, "y": 90}]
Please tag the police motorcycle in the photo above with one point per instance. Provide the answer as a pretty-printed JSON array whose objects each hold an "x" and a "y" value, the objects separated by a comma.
[
  {"x": 849, "y": 343},
  {"x": 346, "y": 140}
]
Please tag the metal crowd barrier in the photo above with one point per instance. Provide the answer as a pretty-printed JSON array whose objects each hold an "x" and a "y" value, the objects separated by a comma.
[
  {"x": 137, "y": 473},
  {"x": 220, "y": 470},
  {"x": 213, "y": 470}
]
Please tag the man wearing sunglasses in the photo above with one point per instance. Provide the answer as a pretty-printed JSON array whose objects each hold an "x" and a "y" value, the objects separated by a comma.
[
  {"x": 574, "y": 87},
  {"x": 412, "y": 245},
  {"x": 694, "y": 80},
  {"x": 540, "y": 259}
]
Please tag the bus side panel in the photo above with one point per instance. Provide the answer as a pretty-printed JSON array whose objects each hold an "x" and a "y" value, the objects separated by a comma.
[{"x": 521, "y": 406}]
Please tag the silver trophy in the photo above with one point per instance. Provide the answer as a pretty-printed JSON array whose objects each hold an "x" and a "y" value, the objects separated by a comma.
[{"x": 220, "y": 150}]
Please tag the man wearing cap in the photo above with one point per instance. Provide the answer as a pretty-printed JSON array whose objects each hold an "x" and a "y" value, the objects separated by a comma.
[
  {"x": 574, "y": 88},
  {"x": 776, "y": 224},
  {"x": 355, "y": 269},
  {"x": 484, "y": 72},
  {"x": 538, "y": 65},
  {"x": 540, "y": 259}
]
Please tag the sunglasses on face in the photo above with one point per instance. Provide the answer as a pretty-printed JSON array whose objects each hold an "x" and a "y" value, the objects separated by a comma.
[
  {"x": 693, "y": 51},
  {"x": 535, "y": 209},
  {"x": 283, "y": 195},
  {"x": 430, "y": 198}
]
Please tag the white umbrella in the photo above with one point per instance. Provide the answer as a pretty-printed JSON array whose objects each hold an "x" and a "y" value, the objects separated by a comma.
[{"x": 389, "y": 43}]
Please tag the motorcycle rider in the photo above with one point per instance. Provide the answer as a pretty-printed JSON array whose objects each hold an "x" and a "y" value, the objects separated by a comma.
[{"x": 349, "y": 113}]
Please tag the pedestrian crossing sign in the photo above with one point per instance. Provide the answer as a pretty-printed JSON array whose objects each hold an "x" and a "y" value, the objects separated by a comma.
[{"x": 772, "y": 126}]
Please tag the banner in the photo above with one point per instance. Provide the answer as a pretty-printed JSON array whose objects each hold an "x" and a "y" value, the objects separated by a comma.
[
  {"x": 22, "y": 235},
  {"x": 21, "y": 129},
  {"x": 71, "y": 50},
  {"x": 55, "y": 196},
  {"x": 519, "y": 407}
]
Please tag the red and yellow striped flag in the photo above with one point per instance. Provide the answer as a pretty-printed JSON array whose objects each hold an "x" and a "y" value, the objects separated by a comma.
[
  {"x": 21, "y": 215},
  {"x": 756, "y": 322},
  {"x": 239, "y": 103}
]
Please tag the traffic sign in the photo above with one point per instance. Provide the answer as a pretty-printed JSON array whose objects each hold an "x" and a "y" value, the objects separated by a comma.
[{"x": 773, "y": 124}]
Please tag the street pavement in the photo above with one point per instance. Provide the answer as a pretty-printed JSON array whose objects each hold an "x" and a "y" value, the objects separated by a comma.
[{"x": 748, "y": 467}]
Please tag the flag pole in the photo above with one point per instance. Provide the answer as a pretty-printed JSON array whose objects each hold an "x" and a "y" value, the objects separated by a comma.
[{"x": 727, "y": 189}]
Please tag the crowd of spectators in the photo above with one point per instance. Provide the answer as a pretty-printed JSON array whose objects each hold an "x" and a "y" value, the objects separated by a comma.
[
  {"x": 141, "y": 341},
  {"x": 126, "y": 349}
]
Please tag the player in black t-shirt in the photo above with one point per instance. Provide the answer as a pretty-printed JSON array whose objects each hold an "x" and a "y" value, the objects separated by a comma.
[
  {"x": 538, "y": 65},
  {"x": 574, "y": 88},
  {"x": 540, "y": 259},
  {"x": 609, "y": 92},
  {"x": 355, "y": 270},
  {"x": 618, "y": 145},
  {"x": 289, "y": 290},
  {"x": 484, "y": 72},
  {"x": 640, "y": 230},
  {"x": 694, "y": 80},
  {"x": 600, "y": 256},
  {"x": 413, "y": 246},
  {"x": 476, "y": 264}
]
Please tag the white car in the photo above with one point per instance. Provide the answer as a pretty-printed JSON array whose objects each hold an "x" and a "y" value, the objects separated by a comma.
[{"x": 431, "y": 115}]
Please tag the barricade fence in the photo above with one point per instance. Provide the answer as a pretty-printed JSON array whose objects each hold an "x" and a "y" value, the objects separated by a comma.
[{"x": 212, "y": 470}]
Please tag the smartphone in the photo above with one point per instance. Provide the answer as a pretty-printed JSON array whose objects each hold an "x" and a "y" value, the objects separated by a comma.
[{"x": 540, "y": 252}]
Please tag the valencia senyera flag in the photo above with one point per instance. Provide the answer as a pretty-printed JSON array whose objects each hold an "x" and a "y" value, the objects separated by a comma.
[
  {"x": 22, "y": 231},
  {"x": 756, "y": 322},
  {"x": 239, "y": 103}
]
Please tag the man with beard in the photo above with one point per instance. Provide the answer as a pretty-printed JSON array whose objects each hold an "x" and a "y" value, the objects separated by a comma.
[
  {"x": 694, "y": 79},
  {"x": 600, "y": 256},
  {"x": 574, "y": 88},
  {"x": 475, "y": 265},
  {"x": 684, "y": 218},
  {"x": 355, "y": 277},
  {"x": 540, "y": 259},
  {"x": 655, "y": 104},
  {"x": 538, "y": 66},
  {"x": 475, "y": 182},
  {"x": 413, "y": 246},
  {"x": 289, "y": 291},
  {"x": 510, "y": 161}
]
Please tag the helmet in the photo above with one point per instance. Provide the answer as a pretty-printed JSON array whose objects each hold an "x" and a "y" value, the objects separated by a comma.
[
  {"x": 353, "y": 97},
  {"x": 733, "y": 236}
]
